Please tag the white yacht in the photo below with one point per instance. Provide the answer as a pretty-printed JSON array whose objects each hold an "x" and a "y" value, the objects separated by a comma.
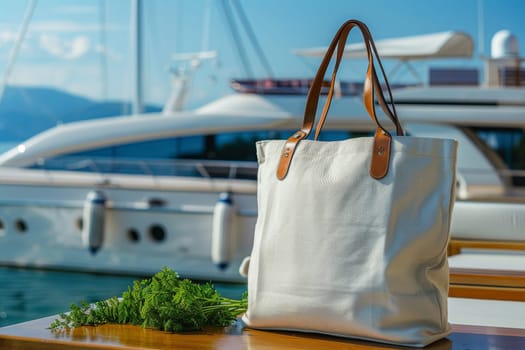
[{"x": 131, "y": 194}]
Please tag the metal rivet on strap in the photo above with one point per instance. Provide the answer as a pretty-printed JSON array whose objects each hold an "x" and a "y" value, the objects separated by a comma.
[
  {"x": 297, "y": 135},
  {"x": 380, "y": 150}
]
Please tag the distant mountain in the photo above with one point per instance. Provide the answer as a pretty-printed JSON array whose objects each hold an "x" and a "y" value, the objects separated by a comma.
[{"x": 26, "y": 111}]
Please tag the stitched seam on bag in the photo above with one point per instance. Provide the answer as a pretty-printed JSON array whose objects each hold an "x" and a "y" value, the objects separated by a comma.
[
  {"x": 305, "y": 151},
  {"x": 435, "y": 293},
  {"x": 443, "y": 248},
  {"x": 326, "y": 154},
  {"x": 333, "y": 155},
  {"x": 451, "y": 200},
  {"x": 306, "y": 144}
]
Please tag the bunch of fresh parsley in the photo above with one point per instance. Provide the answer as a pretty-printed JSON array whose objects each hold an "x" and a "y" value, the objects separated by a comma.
[{"x": 163, "y": 302}]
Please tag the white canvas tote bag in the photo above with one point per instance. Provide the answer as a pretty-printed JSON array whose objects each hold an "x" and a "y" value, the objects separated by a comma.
[{"x": 351, "y": 235}]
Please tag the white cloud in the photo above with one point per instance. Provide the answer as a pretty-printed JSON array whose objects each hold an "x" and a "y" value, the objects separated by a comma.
[
  {"x": 63, "y": 26},
  {"x": 7, "y": 37},
  {"x": 75, "y": 48},
  {"x": 85, "y": 81},
  {"x": 7, "y": 43},
  {"x": 79, "y": 46}
]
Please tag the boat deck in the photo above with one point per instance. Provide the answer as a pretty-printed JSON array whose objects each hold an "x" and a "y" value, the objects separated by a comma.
[
  {"x": 485, "y": 307},
  {"x": 477, "y": 324}
]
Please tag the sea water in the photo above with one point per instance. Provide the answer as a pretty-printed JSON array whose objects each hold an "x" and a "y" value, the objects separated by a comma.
[{"x": 27, "y": 294}]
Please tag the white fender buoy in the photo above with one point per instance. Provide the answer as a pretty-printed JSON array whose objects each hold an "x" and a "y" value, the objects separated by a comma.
[
  {"x": 93, "y": 221},
  {"x": 245, "y": 267},
  {"x": 461, "y": 187},
  {"x": 223, "y": 231}
]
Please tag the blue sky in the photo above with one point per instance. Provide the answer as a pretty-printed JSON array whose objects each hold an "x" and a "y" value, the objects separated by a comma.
[{"x": 65, "y": 47}]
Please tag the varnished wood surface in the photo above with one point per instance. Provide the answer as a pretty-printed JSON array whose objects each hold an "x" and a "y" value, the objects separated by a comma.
[
  {"x": 486, "y": 292},
  {"x": 487, "y": 284},
  {"x": 34, "y": 335},
  {"x": 484, "y": 277}
]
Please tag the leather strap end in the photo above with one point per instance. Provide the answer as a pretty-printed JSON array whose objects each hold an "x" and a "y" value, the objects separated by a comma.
[
  {"x": 381, "y": 154},
  {"x": 287, "y": 154}
]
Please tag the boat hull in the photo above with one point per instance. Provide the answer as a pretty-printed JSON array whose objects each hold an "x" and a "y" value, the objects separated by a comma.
[
  {"x": 145, "y": 228},
  {"x": 152, "y": 222}
]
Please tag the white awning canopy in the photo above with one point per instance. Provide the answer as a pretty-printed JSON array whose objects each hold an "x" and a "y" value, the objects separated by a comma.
[{"x": 429, "y": 46}]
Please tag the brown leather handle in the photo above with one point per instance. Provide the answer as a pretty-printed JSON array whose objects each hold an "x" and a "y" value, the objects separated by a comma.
[
  {"x": 377, "y": 90},
  {"x": 368, "y": 94},
  {"x": 372, "y": 87}
]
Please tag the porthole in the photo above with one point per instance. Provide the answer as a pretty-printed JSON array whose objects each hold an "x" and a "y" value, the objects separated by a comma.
[
  {"x": 20, "y": 225},
  {"x": 2, "y": 228},
  {"x": 79, "y": 223},
  {"x": 156, "y": 202},
  {"x": 157, "y": 233},
  {"x": 133, "y": 235}
]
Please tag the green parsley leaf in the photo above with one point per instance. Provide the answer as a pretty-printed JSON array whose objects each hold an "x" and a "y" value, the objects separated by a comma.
[{"x": 163, "y": 302}]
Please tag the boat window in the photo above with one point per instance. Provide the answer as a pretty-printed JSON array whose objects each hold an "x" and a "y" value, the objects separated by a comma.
[
  {"x": 229, "y": 154},
  {"x": 509, "y": 145}
]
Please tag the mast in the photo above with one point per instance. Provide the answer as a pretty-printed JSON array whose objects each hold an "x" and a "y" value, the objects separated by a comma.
[
  {"x": 18, "y": 44},
  {"x": 136, "y": 52},
  {"x": 481, "y": 30},
  {"x": 103, "y": 54}
]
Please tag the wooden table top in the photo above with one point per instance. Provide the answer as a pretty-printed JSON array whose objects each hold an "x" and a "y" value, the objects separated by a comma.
[{"x": 36, "y": 335}]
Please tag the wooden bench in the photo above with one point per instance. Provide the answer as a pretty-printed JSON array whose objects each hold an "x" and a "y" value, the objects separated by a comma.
[{"x": 487, "y": 283}]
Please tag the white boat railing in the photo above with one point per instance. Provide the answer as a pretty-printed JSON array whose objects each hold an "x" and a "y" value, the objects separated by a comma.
[
  {"x": 190, "y": 167},
  {"x": 155, "y": 167}
]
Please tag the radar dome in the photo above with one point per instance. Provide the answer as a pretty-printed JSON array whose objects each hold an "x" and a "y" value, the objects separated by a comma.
[{"x": 504, "y": 44}]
